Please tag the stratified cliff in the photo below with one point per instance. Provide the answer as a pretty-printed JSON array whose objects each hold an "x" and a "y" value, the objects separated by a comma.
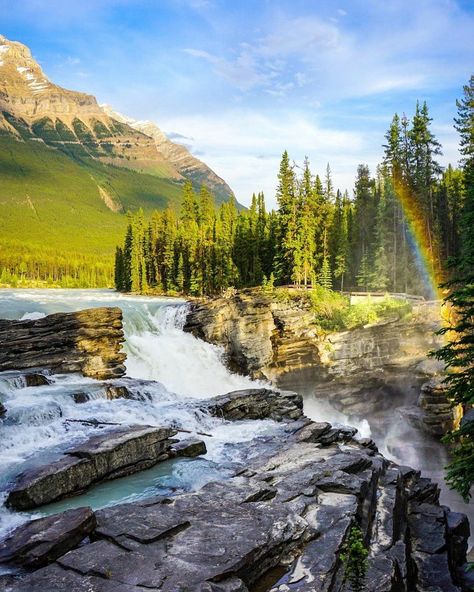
[
  {"x": 358, "y": 370},
  {"x": 267, "y": 337},
  {"x": 88, "y": 341}
]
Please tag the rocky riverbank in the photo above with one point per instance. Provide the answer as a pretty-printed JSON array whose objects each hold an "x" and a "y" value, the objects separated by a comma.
[
  {"x": 278, "y": 520},
  {"x": 280, "y": 524}
]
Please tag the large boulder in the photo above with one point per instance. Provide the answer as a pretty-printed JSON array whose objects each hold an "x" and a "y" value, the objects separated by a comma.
[
  {"x": 88, "y": 341},
  {"x": 257, "y": 403}
]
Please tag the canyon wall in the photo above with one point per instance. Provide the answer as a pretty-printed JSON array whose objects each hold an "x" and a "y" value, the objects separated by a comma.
[{"x": 360, "y": 371}]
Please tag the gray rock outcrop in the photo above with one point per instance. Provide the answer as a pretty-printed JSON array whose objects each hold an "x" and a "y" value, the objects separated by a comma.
[
  {"x": 267, "y": 337},
  {"x": 88, "y": 341},
  {"x": 258, "y": 403},
  {"x": 115, "y": 453},
  {"x": 280, "y": 524},
  {"x": 438, "y": 415},
  {"x": 42, "y": 541}
]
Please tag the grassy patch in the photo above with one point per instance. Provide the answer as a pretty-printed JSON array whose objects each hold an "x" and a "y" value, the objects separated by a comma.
[
  {"x": 51, "y": 209},
  {"x": 333, "y": 312}
]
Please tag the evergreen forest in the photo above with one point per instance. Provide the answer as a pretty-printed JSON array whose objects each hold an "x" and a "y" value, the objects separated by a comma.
[{"x": 317, "y": 235}]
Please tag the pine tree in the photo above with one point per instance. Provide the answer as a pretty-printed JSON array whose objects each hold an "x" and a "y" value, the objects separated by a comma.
[
  {"x": 287, "y": 221},
  {"x": 365, "y": 208},
  {"x": 364, "y": 277},
  {"x": 423, "y": 172},
  {"x": 325, "y": 276},
  {"x": 119, "y": 270},
  {"x": 380, "y": 276},
  {"x": 458, "y": 353},
  {"x": 341, "y": 242},
  {"x": 127, "y": 258},
  {"x": 305, "y": 251}
]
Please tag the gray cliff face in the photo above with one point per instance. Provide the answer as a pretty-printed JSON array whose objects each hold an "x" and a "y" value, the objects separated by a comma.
[
  {"x": 358, "y": 371},
  {"x": 88, "y": 341},
  {"x": 270, "y": 338}
]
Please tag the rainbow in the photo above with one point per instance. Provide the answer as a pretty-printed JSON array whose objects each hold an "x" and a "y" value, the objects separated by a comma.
[{"x": 421, "y": 241}]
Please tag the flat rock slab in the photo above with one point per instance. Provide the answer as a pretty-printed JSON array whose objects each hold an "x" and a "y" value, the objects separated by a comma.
[
  {"x": 257, "y": 404},
  {"x": 114, "y": 453},
  {"x": 42, "y": 541}
]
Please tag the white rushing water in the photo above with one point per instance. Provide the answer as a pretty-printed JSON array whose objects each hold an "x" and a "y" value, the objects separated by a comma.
[{"x": 185, "y": 368}]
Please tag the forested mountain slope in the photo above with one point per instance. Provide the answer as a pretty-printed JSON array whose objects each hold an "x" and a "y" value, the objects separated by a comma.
[{"x": 69, "y": 173}]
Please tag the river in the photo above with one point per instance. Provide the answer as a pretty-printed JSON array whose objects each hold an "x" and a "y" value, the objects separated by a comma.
[{"x": 185, "y": 369}]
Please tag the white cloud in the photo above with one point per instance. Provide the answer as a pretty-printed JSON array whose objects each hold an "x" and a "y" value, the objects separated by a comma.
[
  {"x": 245, "y": 147},
  {"x": 395, "y": 50},
  {"x": 243, "y": 71}
]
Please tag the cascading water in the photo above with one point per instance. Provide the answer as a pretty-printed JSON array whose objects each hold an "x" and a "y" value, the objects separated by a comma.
[{"x": 185, "y": 368}]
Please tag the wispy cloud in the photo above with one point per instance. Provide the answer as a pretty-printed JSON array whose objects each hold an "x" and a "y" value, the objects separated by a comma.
[{"x": 243, "y": 81}]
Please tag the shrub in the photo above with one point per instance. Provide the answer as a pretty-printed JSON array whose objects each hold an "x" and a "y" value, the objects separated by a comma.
[
  {"x": 333, "y": 311},
  {"x": 354, "y": 557}
]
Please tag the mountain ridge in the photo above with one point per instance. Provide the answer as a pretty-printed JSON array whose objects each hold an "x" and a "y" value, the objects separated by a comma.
[
  {"x": 65, "y": 118},
  {"x": 187, "y": 165},
  {"x": 69, "y": 173}
]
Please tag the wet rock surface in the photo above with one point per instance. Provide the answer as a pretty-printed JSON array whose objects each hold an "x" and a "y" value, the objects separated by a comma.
[
  {"x": 109, "y": 455},
  {"x": 42, "y": 541},
  {"x": 88, "y": 341},
  {"x": 279, "y": 524},
  {"x": 261, "y": 403},
  {"x": 438, "y": 415}
]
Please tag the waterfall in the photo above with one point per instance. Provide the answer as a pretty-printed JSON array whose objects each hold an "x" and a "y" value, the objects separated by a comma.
[{"x": 183, "y": 367}]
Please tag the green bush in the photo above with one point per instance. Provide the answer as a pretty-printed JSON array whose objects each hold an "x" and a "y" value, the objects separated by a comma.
[
  {"x": 329, "y": 308},
  {"x": 333, "y": 311},
  {"x": 354, "y": 558}
]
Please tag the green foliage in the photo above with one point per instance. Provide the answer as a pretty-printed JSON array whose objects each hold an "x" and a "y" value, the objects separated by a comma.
[
  {"x": 268, "y": 285},
  {"x": 329, "y": 308},
  {"x": 53, "y": 215},
  {"x": 458, "y": 352},
  {"x": 333, "y": 311},
  {"x": 354, "y": 558}
]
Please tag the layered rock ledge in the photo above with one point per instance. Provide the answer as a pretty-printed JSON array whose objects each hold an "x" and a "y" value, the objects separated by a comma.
[
  {"x": 88, "y": 341},
  {"x": 115, "y": 453},
  {"x": 263, "y": 336},
  {"x": 360, "y": 371}
]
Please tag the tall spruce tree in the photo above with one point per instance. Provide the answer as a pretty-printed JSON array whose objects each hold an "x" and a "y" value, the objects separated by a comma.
[
  {"x": 458, "y": 353},
  {"x": 287, "y": 221}
]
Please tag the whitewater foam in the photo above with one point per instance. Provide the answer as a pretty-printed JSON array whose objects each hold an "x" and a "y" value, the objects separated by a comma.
[{"x": 185, "y": 368}]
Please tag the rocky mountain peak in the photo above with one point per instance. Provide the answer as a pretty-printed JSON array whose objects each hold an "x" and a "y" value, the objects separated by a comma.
[
  {"x": 25, "y": 91},
  {"x": 31, "y": 106},
  {"x": 181, "y": 158},
  {"x": 19, "y": 69}
]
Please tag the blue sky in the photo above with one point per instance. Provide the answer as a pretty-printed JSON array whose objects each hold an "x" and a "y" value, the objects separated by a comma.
[{"x": 240, "y": 81}]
